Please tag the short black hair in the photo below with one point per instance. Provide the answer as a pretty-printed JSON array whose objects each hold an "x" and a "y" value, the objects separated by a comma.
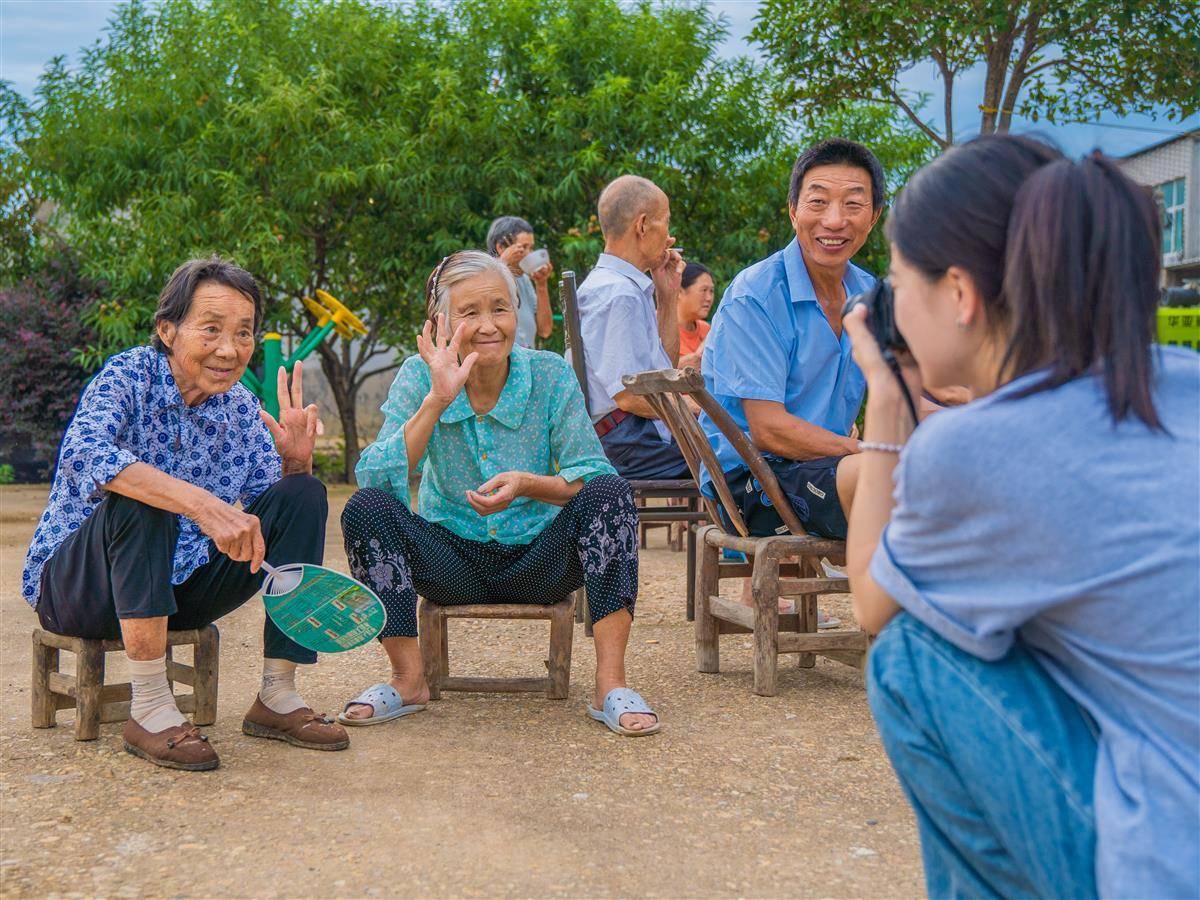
[
  {"x": 834, "y": 152},
  {"x": 503, "y": 231},
  {"x": 691, "y": 272},
  {"x": 175, "y": 301}
]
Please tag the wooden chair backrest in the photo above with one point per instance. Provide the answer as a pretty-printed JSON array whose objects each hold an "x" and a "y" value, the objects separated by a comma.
[
  {"x": 570, "y": 308},
  {"x": 665, "y": 390}
]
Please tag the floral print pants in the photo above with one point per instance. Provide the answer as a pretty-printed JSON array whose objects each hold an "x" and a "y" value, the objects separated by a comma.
[{"x": 592, "y": 543}]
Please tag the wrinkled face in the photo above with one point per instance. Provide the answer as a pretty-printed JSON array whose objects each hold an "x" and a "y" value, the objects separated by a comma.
[
  {"x": 654, "y": 232},
  {"x": 833, "y": 215},
  {"x": 696, "y": 301},
  {"x": 927, "y": 313},
  {"x": 483, "y": 304},
  {"x": 522, "y": 246},
  {"x": 211, "y": 347}
]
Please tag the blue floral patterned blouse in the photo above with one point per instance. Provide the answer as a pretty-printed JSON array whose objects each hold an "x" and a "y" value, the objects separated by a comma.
[
  {"x": 133, "y": 412},
  {"x": 538, "y": 425}
]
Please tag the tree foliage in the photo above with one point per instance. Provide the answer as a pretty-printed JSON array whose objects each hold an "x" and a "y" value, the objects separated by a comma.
[
  {"x": 349, "y": 146},
  {"x": 1058, "y": 61}
]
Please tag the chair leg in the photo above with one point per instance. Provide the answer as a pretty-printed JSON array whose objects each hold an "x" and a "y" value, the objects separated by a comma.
[
  {"x": 562, "y": 634},
  {"x": 45, "y": 661},
  {"x": 691, "y": 566},
  {"x": 205, "y": 664},
  {"x": 580, "y": 600},
  {"x": 431, "y": 625},
  {"x": 708, "y": 636},
  {"x": 765, "y": 590},
  {"x": 89, "y": 685}
]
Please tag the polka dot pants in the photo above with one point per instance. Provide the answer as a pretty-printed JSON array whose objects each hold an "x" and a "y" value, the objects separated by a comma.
[{"x": 591, "y": 543}]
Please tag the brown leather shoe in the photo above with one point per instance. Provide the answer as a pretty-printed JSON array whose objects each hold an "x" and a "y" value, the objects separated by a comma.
[
  {"x": 178, "y": 747},
  {"x": 301, "y": 728}
]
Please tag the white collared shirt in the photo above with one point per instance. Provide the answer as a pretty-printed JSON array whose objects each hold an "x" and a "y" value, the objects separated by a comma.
[{"x": 619, "y": 326}]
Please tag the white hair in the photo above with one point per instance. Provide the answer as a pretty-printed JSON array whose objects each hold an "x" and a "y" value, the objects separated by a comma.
[{"x": 456, "y": 268}]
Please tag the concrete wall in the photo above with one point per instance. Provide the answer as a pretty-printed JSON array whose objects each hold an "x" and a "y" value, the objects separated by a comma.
[{"x": 1179, "y": 158}]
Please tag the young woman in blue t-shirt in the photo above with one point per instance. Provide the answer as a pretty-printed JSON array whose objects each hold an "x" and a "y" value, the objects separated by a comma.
[{"x": 1030, "y": 562}]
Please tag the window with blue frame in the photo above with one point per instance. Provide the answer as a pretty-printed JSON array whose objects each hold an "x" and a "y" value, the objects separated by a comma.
[{"x": 1174, "y": 194}]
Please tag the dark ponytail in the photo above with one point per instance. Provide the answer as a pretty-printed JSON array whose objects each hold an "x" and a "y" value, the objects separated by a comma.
[
  {"x": 1081, "y": 276},
  {"x": 1065, "y": 256}
]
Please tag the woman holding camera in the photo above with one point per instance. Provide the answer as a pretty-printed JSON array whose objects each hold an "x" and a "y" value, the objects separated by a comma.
[{"x": 1033, "y": 574}]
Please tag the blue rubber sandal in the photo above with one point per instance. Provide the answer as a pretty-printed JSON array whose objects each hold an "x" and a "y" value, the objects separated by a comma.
[
  {"x": 385, "y": 702},
  {"x": 618, "y": 702}
]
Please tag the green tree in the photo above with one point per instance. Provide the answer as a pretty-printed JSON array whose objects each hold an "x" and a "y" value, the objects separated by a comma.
[
  {"x": 1061, "y": 61},
  {"x": 349, "y": 146}
]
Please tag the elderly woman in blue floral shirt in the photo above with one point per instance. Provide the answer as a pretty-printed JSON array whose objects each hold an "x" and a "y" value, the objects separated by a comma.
[
  {"x": 518, "y": 503},
  {"x": 141, "y": 532}
]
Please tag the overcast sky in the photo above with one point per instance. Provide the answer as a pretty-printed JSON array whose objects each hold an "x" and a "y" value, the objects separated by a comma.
[{"x": 33, "y": 31}]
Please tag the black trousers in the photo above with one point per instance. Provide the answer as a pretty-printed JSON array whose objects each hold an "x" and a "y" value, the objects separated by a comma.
[
  {"x": 118, "y": 565},
  {"x": 638, "y": 452},
  {"x": 591, "y": 543},
  {"x": 810, "y": 485}
]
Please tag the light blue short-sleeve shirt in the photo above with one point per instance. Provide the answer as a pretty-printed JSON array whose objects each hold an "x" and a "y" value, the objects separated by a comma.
[
  {"x": 770, "y": 340},
  {"x": 1040, "y": 520},
  {"x": 619, "y": 326}
]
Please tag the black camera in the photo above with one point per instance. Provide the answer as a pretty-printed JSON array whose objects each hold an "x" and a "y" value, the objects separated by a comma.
[{"x": 881, "y": 315}]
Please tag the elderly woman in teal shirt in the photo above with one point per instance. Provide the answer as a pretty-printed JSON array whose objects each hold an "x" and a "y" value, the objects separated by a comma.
[{"x": 518, "y": 503}]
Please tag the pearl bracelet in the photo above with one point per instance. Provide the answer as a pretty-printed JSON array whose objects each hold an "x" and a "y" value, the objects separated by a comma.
[{"x": 880, "y": 447}]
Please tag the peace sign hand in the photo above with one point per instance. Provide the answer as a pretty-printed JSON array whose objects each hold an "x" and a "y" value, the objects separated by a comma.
[
  {"x": 446, "y": 374},
  {"x": 296, "y": 431}
]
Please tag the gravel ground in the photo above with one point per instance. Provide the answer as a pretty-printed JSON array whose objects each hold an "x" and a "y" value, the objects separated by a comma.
[{"x": 481, "y": 795}]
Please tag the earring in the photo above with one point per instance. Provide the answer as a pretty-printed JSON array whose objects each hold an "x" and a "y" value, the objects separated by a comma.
[{"x": 962, "y": 326}]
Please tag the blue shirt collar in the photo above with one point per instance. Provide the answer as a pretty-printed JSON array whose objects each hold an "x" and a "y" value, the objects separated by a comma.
[
  {"x": 510, "y": 408},
  {"x": 800, "y": 286},
  {"x": 626, "y": 268},
  {"x": 163, "y": 384}
]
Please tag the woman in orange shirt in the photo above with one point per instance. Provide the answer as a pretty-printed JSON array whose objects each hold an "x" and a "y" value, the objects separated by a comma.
[{"x": 695, "y": 300}]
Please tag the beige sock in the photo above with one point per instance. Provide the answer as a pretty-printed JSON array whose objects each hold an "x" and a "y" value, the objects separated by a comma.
[
  {"x": 278, "y": 691},
  {"x": 152, "y": 705}
]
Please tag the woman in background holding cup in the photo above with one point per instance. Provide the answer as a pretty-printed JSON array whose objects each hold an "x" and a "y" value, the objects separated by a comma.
[
  {"x": 511, "y": 239},
  {"x": 1030, "y": 561}
]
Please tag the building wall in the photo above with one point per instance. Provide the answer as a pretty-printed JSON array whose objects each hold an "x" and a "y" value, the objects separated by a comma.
[{"x": 1179, "y": 158}]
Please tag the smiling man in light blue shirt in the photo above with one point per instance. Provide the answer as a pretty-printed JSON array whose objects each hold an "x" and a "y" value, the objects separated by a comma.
[{"x": 777, "y": 360}]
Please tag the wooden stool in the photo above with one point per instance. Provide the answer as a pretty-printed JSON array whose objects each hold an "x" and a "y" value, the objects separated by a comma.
[
  {"x": 95, "y": 702},
  {"x": 435, "y": 648}
]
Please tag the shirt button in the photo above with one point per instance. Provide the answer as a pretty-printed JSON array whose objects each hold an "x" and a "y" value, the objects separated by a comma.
[
  {"x": 492, "y": 532},
  {"x": 484, "y": 456}
]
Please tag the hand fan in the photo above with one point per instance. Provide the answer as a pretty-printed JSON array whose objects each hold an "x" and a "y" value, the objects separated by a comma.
[{"x": 321, "y": 609}]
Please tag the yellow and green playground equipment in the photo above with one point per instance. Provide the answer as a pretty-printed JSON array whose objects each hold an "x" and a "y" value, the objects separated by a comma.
[
  {"x": 1179, "y": 325},
  {"x": 332, "y": 315}
]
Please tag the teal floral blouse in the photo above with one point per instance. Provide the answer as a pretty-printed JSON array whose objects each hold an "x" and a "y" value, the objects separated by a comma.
[{"x": 539, "y": 425}]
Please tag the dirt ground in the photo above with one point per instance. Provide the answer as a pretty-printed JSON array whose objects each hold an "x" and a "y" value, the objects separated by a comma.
[{"x": 481, "y": 795}]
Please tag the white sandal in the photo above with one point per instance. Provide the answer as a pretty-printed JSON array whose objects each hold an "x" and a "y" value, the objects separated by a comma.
[{"x": 385, "y": 702}]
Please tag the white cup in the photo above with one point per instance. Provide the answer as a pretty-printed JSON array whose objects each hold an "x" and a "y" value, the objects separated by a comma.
[{"x": 531, "y": 262}]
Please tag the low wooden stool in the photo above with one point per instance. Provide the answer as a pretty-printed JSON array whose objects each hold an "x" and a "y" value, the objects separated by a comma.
[
  {"x": 95, "y": 702},
  {"x": 435, "y": 648}
]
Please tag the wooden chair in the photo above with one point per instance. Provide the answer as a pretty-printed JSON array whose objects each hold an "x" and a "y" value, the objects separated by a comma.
[
  {"x": 795, "y": 554},
  {"x": 690, "y": 513},
  {"x": 435, "y": 647},
  {"x": 95, "y": 702}
]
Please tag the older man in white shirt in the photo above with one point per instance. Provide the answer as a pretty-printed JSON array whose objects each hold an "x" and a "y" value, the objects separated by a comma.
[{"x": 629, "y": 325}]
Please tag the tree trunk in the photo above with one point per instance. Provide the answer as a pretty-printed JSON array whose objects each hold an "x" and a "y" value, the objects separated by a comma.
[{"x": 341, "y": 381}]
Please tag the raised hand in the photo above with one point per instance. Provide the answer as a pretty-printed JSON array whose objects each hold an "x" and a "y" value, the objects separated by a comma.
[
  {"x": 668, "y": 276},
  {"x": 296, "y": 431},
  {"x": 542, "y": 275},
  {"x": 447, "y": 374}
]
